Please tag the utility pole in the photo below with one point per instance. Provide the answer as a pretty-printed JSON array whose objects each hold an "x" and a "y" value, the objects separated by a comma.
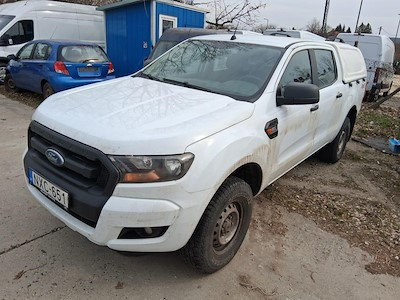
[
  {"x": 380, "y": 29},
  {"x": 358, "y": 18},
  {"x": 325, "y": 20},
  {"x": 397, "y": 31}
]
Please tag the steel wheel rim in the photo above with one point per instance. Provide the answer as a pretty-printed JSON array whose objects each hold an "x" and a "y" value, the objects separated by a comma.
[{"x": 226, "y": 227}]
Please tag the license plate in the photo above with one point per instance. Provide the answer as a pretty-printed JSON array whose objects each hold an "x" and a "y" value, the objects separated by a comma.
[
  {"x": 49, "y": 189},
  {"x": 88, "y": 69}
]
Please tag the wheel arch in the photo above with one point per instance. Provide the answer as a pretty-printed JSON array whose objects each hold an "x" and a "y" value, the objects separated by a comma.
[
  {"x": 352, "y": 115},
  {"x": 251, "y": 173},
  {"x": 42, "y": 83}
]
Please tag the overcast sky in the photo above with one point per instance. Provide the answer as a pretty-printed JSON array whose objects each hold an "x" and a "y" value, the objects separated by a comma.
[{"x": 298, "y": 13}]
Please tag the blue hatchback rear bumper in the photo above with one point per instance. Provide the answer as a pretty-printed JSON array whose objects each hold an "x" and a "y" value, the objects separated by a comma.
[{"x": 61, "y": 83}]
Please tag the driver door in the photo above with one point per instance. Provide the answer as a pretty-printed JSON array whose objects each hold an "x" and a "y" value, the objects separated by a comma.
[
  {"x": 296, "y": 123},
  {"x": 18, "y": 68}
]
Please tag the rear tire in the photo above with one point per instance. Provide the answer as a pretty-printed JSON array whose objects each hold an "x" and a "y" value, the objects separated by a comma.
[
  {"x": 47, "y": 90},
  {"x": 222, "y": 227},
  {"x": 9, "y": 84},
  {"x": 333, "y": 152}
]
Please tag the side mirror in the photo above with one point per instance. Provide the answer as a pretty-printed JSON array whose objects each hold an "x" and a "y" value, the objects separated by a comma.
[
  {"x": 297, "y": 93},
  {"x": 3, "y": 42},
  {"x": 12, "y": 57}
]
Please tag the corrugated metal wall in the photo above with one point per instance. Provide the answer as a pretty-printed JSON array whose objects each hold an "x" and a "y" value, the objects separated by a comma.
[
  {"x": 127, "y": 30},
  {"x": 186, "y": 17}
]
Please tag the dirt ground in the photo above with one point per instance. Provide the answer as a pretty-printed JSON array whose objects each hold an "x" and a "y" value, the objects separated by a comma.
[
  {"x": 359, "y": 197},
  {"x": 322, "y": 231}
]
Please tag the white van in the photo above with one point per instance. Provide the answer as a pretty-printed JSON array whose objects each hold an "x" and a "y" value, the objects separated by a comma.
[
  {"x": 378, "y": 52},
  {"x": 300, "y": 34},
  {"x": 23, "y": 21}
]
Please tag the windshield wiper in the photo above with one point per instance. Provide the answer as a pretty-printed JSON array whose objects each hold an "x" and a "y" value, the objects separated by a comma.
[
  {"x": 148, "y": 76},
  {"x": 186, "y": 84}
]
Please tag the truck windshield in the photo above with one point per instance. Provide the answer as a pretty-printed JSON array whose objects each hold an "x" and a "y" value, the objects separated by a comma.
[
  {"x": 162, "y": 47},
  {"x": 4, "y": 20},
  {"x": 238, "y": 70}
]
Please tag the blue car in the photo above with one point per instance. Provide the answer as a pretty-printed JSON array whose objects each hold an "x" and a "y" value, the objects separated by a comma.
[{"x": 49, "y": 66}]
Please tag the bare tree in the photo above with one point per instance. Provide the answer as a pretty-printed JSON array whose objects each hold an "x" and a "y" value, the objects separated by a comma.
[
  {"x": 263, "y": 27},
  {"x": 314, "y": 26},
  {"x": 226, "y": 14}
]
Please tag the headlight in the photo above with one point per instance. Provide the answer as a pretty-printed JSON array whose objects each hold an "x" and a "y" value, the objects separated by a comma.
[{"x": 135, "y": 169}]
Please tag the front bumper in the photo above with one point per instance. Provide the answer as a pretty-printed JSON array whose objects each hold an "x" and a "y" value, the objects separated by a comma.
[{"x": 181, "y": 218}]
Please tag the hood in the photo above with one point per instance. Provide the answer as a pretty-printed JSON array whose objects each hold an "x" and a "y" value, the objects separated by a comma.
[{"x": 139, "y": 116}]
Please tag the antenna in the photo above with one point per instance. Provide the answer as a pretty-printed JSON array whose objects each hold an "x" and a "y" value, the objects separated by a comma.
[{"x": 233, "y": 37}]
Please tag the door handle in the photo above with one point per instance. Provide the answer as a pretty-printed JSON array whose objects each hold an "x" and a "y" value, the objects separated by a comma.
[
  {"x": 339, "y": 95},
  {"x": 314, "y": 108}
]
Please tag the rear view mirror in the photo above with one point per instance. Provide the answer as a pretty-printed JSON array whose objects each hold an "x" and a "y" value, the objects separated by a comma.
[{"x": 297, "y": 93}]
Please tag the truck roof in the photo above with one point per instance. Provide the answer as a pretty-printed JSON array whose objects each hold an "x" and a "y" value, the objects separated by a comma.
[
  {"x": 19, "y": 7},
  {"x": 351, "y": 59},
  {"x": 267, "y": 40}
]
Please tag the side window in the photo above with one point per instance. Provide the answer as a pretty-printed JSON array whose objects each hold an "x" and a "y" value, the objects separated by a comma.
[
  {"x": 21, "y": 32},
  {"x": 42, "y": 51},
  {"x": 326, "y": 67},
  {"x": 25, "y": 52},
  {"x": 298, "y": 69}
]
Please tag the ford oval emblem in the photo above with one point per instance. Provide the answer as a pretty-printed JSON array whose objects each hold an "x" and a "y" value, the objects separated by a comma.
[{"x": 55, "y": 157}]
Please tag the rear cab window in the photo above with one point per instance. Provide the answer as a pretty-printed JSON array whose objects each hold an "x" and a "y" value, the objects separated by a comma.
[
  {"x": 326, "y": 67},
  {"x": 81, "y": 54}
]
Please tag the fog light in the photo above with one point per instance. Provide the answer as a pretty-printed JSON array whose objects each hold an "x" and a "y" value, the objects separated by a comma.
[{"x": 129, "y": 233}]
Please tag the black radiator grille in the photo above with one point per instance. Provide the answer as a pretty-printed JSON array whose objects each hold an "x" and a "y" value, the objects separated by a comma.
[{"x": 87, "y": 174}]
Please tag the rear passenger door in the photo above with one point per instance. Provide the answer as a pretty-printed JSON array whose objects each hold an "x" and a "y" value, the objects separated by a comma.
[{"x": 332, "y": 94}]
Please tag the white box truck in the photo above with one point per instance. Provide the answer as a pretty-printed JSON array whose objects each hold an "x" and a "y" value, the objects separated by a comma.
[
  {"x": 378, "y": 52},
  {"x": 23, "y": 21}
]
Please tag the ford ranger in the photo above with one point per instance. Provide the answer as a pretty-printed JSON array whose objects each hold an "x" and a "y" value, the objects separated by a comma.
[{"x": 171, "y": 157}]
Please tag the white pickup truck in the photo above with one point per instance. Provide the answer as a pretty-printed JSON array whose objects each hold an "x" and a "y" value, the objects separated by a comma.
[{"x": 171, "y": 157}]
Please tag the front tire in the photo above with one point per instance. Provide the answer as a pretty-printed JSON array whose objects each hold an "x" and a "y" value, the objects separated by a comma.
[
  {"x": 47, "y": 90},
  {"x": 9, "y": 84},
  {"x": 333, "y": 152},
  {"x": 222, "y": 227}
]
